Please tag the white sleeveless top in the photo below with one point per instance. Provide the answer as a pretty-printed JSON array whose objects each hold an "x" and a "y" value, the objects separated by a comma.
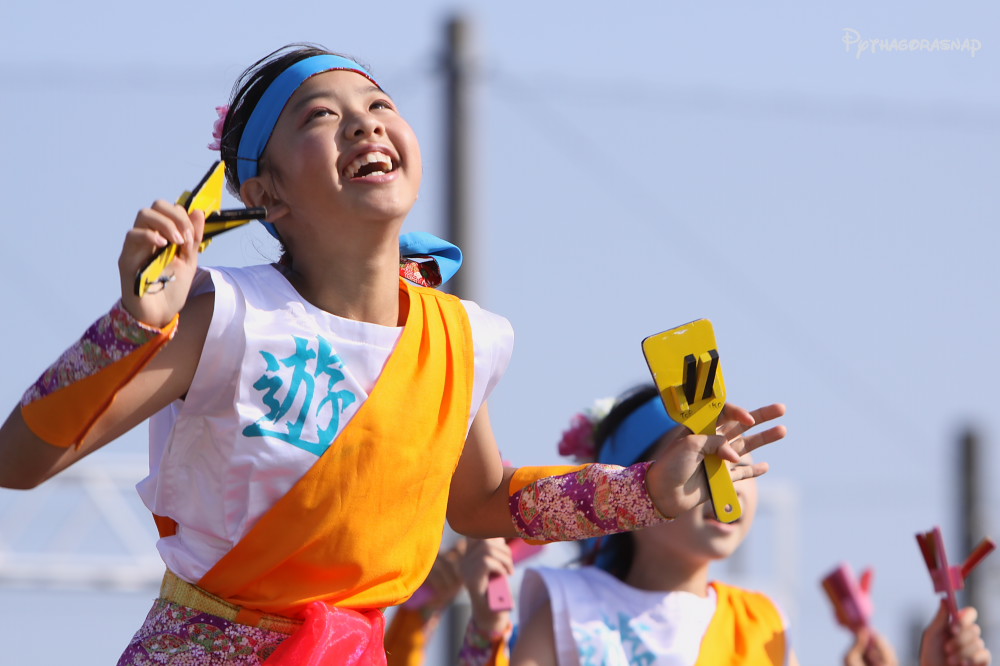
[
  {"x": 600, "y": 621},
  {"x": 278, "y": 379}
]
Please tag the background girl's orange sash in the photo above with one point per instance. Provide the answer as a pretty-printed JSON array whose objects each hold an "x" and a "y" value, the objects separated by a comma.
[
  {"x": 746, "y": 630},
  {"x": 362, "y": 528}
]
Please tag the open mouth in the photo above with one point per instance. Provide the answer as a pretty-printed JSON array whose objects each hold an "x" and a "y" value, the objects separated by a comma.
[{"x": 370, "y": 164}]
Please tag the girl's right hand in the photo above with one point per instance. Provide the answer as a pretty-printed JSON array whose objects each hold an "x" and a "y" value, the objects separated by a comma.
[
  {"x": 675, "y": 480},
  {"x": 958, "y": 644},
  {"x": 154, "y": 228}
]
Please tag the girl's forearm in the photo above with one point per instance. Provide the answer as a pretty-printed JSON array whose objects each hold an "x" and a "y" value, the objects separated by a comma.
[
  {"x": 25, "y": 460},
  {"x": 484, "y": 647},
  {"x": 43, "y": 434},
  {"x": 581, "y": 502},
  {"x": 72, "y": 393}
]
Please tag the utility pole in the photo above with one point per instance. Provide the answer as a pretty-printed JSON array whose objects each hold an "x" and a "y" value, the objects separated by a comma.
[
  {"x": 460, "y": 73},
  {"x": 973, "y": 526},
  {"x": 969, "y": 520}
]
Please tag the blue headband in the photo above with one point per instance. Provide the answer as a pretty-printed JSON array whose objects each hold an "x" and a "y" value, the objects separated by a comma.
[
  {"x": 631, "y": 439},
  {"x": 639, "y": 431},
  {"x": 264, "y": 116}
]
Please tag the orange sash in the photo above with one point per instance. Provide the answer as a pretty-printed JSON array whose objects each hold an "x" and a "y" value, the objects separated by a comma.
[
  {"x": 746, "y": 630},
  {"x": 64, "y": 417},
  {"x": 361, "y": 529},
  {"x": 525, "y": 476}
]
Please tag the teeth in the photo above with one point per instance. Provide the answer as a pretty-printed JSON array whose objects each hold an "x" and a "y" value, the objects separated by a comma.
[{"x": 383, "y": 160}]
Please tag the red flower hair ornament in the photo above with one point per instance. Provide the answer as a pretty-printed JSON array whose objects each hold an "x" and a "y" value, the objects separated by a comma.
[
  {"x": 578, "y": 440},
  {"x": 223, "y": 111}
]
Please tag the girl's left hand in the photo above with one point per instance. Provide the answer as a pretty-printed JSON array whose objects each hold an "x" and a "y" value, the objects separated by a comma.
[
  {"x": 675, "y": 480},
  {"x": 482, "y": 559},
  {"x": 870, "y": 649},
  {"x": 960, "y": 644},
  {"x": 444, "y": 579}
]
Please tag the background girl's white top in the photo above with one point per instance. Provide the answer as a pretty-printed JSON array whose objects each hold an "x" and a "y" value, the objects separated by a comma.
[
  {"x": 600, "y": 621},
  {"x": 295, "y": 376}
]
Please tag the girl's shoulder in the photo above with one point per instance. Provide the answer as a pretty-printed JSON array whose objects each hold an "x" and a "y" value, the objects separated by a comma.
[
  {"x": 263, "y": 285},
  {"x": 479, "y": 316},
  {"x": 753, "y": 601},
  {"x": 213, "y": 278},
  {"x": 541, "y": 584},
  {"x": 492, "y": 333},
  {"x": 487, "y": 323},
  {"x": 725, "y": 590},
  {"x": 267, "y": 273}
]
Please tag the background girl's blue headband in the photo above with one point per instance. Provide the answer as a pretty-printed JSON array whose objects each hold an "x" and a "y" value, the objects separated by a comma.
[
  {"x": 631, "y": 439},
  {"x": 639, "y": 431},
  {"x": 265, "y": 115}
]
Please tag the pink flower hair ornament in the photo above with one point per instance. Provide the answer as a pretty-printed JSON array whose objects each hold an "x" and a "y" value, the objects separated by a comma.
[
  {"x": 578, "y": 440},
  {"x": 223, "y": 111}
]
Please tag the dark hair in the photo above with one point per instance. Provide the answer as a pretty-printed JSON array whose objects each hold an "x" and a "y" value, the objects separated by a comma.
[
  {"x": 621, "y": 545},
  {"x": 248, "y": 90}
]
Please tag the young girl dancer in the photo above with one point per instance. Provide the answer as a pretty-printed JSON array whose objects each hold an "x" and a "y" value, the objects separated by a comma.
[
  {"x": 314, "y": 422},
  {"x": 648, "y": 598}
]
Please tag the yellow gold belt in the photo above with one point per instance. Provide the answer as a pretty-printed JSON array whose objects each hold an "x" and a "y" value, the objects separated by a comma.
[{"x": 184, "y": 593}]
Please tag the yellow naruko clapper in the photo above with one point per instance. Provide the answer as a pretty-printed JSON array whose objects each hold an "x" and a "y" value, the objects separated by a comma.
[
  {"x": 206, "y": 196},
  {"x": 684, "y": 362}
]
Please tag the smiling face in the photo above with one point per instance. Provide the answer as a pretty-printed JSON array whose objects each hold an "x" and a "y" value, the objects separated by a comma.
[{"x": 340, "y": 152}]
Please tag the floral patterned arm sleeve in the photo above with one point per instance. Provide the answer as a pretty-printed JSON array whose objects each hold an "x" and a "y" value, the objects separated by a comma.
[
  {"x": 571, "y": 503},
  {"x": 69, "y": 397}
]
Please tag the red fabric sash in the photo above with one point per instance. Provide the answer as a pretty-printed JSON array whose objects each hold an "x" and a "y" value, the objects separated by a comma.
[{"x": 333, "y": 636}]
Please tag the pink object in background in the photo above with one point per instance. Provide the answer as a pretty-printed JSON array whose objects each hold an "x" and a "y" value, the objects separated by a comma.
[
  {"x": 217, "y": 126},
  {"x": 498, "y": 591},
  {"x": 851, "y": 598},
  {"x": 948, "y": 579}
]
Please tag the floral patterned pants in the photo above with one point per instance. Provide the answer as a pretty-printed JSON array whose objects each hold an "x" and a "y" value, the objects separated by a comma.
[{"x": 176, "y": 635}]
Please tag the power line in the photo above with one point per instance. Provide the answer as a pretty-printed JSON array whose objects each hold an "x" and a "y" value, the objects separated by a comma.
[
  {"x": 976, "y": 117},
  {"x": 852, "y": 109},
  {"x": 560, "y": 130}
]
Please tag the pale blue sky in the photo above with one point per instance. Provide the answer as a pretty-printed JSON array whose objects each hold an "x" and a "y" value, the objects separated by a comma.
[{"x": 639, "y": 165}]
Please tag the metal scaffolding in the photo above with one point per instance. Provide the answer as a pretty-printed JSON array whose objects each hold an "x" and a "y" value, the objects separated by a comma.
[{"x": 85, "y": 528}]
